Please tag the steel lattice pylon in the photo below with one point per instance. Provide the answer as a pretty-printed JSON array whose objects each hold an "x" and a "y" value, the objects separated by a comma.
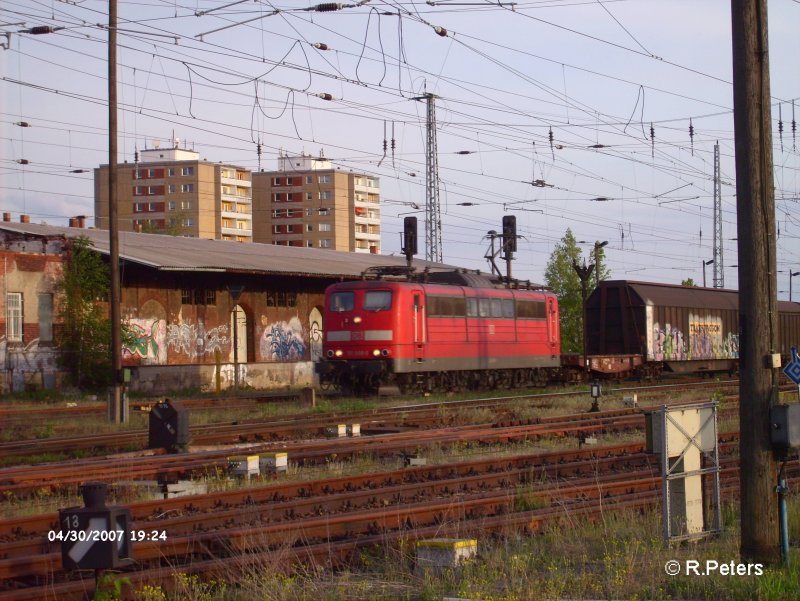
[
  {"x": 433, "y": 213},
  {"x": 719, "y": 271}
]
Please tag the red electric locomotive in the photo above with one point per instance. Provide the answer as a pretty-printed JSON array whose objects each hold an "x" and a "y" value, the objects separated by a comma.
[{"x": 456, "y": 330}]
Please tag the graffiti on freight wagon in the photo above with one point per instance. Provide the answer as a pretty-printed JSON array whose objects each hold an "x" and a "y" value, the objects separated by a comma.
[{"x": 706, "y": 340}]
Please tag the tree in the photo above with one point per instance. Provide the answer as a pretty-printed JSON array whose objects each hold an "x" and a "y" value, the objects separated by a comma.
[
  {"x": 561, "y": 277},
  {"x": 84, "y": 340},
  {"x": 688, "y": 282}
]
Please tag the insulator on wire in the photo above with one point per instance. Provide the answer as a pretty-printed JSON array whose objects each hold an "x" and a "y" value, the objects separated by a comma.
[
  {"x": 325, "y": 96},
  {"x": 321, "y": 46},
  {"x": 652, "y": 141},
  {"x": 326, "y": 7},
  {"x": 41, "y": 30},
  {"x": 550, "y": 137},
  {"x": 23, "y": 124},
  {"x": 780, "y": 125},
  {"x": 440, "y": 31},
  {"x": 23, "y": 161},
  {"x": 464, "y": 152},
  {"x": 691, "y": 134},
  {"x": 794, "y": 129}
]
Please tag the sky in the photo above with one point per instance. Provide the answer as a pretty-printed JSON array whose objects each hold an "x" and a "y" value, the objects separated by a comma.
[{"x": 635, "y": 93}]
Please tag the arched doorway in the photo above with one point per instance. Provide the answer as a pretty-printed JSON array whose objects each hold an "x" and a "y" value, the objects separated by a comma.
[
  {"x": 239, "y": 336},
  {"x": 315, "y": 333}
]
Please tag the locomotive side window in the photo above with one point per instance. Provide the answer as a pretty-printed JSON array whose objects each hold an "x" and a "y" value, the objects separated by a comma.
[
  {"x": 472, "y": 307},
  {"x": 530, "y": 309},
  {"x": 378, "y": 300},
  {"x": 497, "y": 307},
  {"x": 484, "y": 307},
  {"x": 447, "y": 306},
  {"x": 508, "y": 308},
  {"x": 342, "y": 301}
]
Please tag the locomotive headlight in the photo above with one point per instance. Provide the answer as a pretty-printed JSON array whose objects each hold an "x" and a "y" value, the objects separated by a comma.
[
  {"x": 356, "y": 319},
  {"x": 385, "y": 352},
  {"x": 330, "y": 353},
  {"x": 376, "y": 353},
  {"x": 339, "y": 352}
]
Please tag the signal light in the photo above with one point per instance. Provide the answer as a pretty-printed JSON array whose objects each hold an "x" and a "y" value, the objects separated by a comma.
[
  {"x": 509, "y": 233},
  {"x": 409, "y": 236}
]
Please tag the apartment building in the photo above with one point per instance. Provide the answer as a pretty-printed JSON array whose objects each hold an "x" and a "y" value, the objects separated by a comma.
[
  {"x": 308, "y": 203},
  {"x": 172, "y": 191}
]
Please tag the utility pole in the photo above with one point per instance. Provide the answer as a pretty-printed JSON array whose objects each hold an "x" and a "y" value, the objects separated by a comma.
[
  {"x": 758, "y": 318},
  {"x": 433, "y": 213},
  {"x": 719, "y": 272},
  {"x": 117, "y": 410}
]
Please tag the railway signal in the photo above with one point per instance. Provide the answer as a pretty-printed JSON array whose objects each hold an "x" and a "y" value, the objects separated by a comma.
[
  {"x": 409, "y": 238},
  {"x": 94, "y": 537}
]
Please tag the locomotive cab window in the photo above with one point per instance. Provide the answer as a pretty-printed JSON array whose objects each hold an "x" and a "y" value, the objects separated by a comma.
[
  {"x": 378, "y": 300},
  {"x": 342, "y": 301},
  {"x": 530, "y": 309}
]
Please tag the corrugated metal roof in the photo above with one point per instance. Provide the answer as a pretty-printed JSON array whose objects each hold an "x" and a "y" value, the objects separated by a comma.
[
  {"x": 673, "y": 295},
  {"x": 173, "y": 253}
]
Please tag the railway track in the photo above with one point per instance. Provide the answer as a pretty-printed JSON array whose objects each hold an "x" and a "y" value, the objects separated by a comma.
[
  {"x": 21, "y": 480},
  {"x": 415, "y": 416},
  {"x": 341, "y": 514}
]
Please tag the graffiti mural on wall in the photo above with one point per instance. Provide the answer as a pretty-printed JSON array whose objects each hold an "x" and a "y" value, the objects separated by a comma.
[
  {"x": 27, "y": 362},
  {"x": 148, "y": 341},
  {"x": 705, "y": 341},
  {"x": 193, "y": 340},
  {"x": 282, "y": 341}
]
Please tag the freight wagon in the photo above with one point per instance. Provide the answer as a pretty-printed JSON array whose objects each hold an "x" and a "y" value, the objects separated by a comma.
[{"x": 639, "y": 328}]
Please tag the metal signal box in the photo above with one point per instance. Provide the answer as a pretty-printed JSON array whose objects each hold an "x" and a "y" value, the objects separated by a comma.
[
  {"x": 95, "y": 538},
  {"x": 785, "y": 422},
  {"x": 168, "y": 427}
]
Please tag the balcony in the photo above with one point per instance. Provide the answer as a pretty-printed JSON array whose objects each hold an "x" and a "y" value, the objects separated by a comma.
[
  {"x": 231, "y": 181},
  {"x": 232, "y": 231}
]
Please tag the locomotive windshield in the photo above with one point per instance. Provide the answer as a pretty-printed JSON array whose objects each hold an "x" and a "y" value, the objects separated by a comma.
[
  {"x": 342, "y": 301},
  {"x": 378, "y": 300}
]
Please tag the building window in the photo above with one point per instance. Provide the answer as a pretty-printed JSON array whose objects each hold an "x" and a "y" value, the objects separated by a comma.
[
  {"x": 187, "y": 170},
  {"x": 309, "y": 227},
  {"x": 276, "y": 229},
  {"x": 139, "y": 191},
  {"x": 187, "y": 187},
  {"x": 172, "y": 188},
  {"x": 276, "y": 213},
  {"x": 309, "y": 179},
  {"x": 324, "y": 179},
  {"x": 281, "y": 299},
  {"x": 290, "y": 212},
  {"x": 309, "y": 196},
  {"x": 324, "y": 227},
  {"x": 187, "y": 222},
  {"x": 290, "y": 228},
  {"x": 152, "y": 207},
  {"x": 325, "y": 195},
  {"x": 325, "y": 243},
  {"x": 211, "y": 297},
  {"x": 186, "y": 296},
  {"x": 14, "y": 316},
  {"x": 171, "y": 205},
  {"x": 45, "y": 318},
  {"x": 323, "y": 212},
  {"x": 186, "y": 205},
  {"x": 310, "y": 243}
]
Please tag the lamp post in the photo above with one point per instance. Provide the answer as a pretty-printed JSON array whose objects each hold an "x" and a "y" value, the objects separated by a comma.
[
  {"x": 709, "y": 262},
  {"x": 791, "y": 277},
  {"x": 597, "y": 246}
]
